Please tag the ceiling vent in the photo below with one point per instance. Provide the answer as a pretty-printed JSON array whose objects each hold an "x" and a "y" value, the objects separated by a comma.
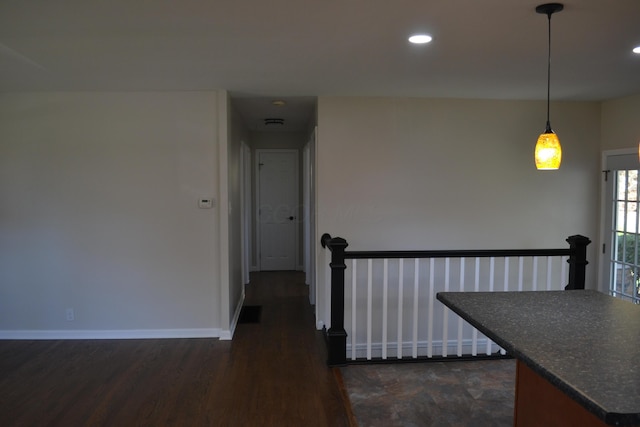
[{"x": 270, "y": 122}]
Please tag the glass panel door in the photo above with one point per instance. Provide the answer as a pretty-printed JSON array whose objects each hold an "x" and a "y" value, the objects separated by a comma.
[{"x": 624, "y": 247}]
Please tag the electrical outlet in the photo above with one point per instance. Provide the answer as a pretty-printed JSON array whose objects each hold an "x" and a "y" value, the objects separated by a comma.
[{"x": 70, "y": 315}]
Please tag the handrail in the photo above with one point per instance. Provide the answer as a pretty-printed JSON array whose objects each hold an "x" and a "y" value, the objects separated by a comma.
[
  {"x": 466, "y": 253},
  {"x": 337, "y": 335}
]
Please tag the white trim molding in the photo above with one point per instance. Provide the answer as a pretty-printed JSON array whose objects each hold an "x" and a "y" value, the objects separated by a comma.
[
  {"x": 422, "y": 346},
  {"x": 228, "y": 335},
  {"x": 86, "y": 334}
]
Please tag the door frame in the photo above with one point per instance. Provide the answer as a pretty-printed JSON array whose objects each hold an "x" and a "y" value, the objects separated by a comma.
[
  {"x": 309, "y": 218},
  {"x": 259, "y": 151},
  {"x": 245, "y": 210},
  {"x": 606, "y": 218}
]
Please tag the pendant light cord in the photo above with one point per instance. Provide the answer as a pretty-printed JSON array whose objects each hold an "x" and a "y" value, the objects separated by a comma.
[{"x": 549, "y": 74}]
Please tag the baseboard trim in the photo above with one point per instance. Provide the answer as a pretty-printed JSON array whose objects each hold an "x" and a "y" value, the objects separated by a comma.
[
  {"x": 84, "y": 334},
  {"x": 437, "y": 347},
  {"x": 228, "y": 335}
]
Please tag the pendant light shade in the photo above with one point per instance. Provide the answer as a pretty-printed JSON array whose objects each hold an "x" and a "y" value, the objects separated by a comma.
[{"x": 548, "y": 153}]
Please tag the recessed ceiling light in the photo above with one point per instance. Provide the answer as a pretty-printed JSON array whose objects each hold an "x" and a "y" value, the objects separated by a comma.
[
  {"x": 636, "y": 49},
  {"x": 420, "y": 38}
]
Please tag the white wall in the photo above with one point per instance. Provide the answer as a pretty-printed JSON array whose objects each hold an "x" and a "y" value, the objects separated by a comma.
[
  {"x": 238, "y": 134},
  {"x": 453, "y": 174},
  {"x": 99, "y": 213},
  {"x": 98, "y": 196},
  {"x": 621, "y": 123}
]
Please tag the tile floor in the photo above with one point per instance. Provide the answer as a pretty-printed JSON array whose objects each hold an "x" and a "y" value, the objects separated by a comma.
[{"x": 438, "y": 394}]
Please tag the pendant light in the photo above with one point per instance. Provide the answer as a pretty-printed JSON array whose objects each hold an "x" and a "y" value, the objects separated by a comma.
[{"x": 548, "y": 152}]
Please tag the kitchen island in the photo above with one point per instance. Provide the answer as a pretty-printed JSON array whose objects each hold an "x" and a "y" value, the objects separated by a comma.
[{"x": 577, "y": 351}]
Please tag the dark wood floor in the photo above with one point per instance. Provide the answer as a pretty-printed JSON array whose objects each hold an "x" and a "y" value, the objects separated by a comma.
[{"x": 273, "y": 373}]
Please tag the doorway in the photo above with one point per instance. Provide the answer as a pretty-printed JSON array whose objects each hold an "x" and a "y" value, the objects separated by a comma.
[
  {"x": 621, "y": 227},
  {"x": 277, "y": 194}
]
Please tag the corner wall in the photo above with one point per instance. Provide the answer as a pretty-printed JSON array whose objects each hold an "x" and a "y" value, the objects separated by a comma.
[
  {"x": 237, "y": 134},
  {"x": 99, "y": 214}
]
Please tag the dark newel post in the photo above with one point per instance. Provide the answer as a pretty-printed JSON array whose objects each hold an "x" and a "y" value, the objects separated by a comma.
[
  {"x": 325, "y": 239},
  {"x": 337, "y": 336},
  {"x": 577, "y": 261}
]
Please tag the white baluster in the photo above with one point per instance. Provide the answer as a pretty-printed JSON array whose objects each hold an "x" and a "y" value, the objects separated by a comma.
[
  {"x": 492, "y": 269},
  {"x": 564, "y": 279},
  {"x": 506, "y": 274},
  {"x": 354, "y": 304},
  {"x": 385, "y": 306},
  {"x": 520, "y": 272},
  {"x": 476, "y": 288},
  {"x": 430, "y": 311},
  {"x": 369, "y": 305},
  {"x": 400, "y": 303},
  {"x": 461, "y": 289},
  {"x": 445, "y": 312}
]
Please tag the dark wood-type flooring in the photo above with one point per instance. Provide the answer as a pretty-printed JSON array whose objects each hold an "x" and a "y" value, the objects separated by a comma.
[{"x": 273, "y": 373}]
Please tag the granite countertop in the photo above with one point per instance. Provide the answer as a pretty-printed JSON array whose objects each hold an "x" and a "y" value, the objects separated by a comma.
[{"x": 584, "y": 342}]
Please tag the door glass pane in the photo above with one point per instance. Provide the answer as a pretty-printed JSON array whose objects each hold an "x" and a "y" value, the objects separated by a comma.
[
  {"x": 618, "y": 254},
  {"x": 621, "y": 214},
  {"x": 621, "y": 180},
  {"x": 616, "y": 283},
  {"x": 632, "y": 217},
  {"x": 632, "y": 185}
]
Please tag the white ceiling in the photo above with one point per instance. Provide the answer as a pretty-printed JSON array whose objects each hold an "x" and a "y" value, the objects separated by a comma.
[{"x": 285, "y": 49}]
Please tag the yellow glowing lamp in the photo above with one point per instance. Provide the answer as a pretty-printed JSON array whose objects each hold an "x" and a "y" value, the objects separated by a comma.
[{"x": 548, "y": 151}]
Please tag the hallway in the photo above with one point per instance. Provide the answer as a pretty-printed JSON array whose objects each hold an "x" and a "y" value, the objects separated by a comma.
[{"x": 279, "y": 365}]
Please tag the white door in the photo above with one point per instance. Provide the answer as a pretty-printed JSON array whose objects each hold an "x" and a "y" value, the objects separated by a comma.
[
  {"x": 278, "y": 209},
  {"x": 621, "y": 240}
]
